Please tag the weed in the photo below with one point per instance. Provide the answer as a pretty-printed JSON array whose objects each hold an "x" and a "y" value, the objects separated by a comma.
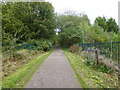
[
  {"x": 99, "y": 67},
  {"x": 15, "y": 79},
  {"x": 90, "y": 75}
]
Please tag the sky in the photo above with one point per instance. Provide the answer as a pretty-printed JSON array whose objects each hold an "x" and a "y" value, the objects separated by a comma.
[{"x": 93, "y": 8}]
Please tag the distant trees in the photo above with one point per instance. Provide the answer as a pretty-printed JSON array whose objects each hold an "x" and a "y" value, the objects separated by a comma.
[
  {"x": 108, "y": 25},
  {"x": 70, "y": 28},
  {"x": 77, "y": 29},
  {"x": 112, "y": 26}
]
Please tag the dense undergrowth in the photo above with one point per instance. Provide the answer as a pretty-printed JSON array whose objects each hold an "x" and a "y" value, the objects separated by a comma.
[
  {"x": 12, "y": 62},
  {"x": 90, "y": 77},
  {"x": 21, "y": 60},
  {"x": 22, "y": 54},
  {"x": 100, "y": 67}
]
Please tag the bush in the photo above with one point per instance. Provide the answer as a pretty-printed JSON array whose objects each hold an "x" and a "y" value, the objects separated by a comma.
[
  {"x": 75, "y": 48},
  {"x": 101, "y": 67},
  {"x": 42, "y": 44},
  {"x": 17, "y": 56}
]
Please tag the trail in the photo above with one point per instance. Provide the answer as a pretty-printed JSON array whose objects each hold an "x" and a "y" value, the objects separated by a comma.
[{"x": 55, "y": 72}]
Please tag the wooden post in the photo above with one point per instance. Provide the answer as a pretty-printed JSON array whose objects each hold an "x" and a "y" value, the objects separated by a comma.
[
  {"x": 89, "y": 57},
  {"x": 96, "y": 55}
]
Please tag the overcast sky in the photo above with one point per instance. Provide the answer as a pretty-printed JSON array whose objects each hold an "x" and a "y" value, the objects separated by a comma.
[{"x": 93, "y": 8}]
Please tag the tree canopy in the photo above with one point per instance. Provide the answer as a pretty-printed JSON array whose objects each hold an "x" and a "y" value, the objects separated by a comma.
[
  {"x": 108, "y": 25},
  {"x": 28, "y": 20},
  {"x": 77, "y": 29},
  {"x": 25, "y": 21}
]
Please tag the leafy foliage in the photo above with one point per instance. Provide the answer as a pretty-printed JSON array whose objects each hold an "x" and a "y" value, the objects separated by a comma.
[
  {"x": 27, "y": 26},
  {"x": 77, "y": 29},
  {"x": 89, "y": 77},
  {"x": 108, "y": 25},
  {"x": 25, "y": 21},
  {"x": 42, "y": 44},
  {"x": 69, "y": 27},
  {"x": 100, "y": 67}
]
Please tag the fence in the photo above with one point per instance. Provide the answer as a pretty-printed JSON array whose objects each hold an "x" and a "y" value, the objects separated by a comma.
[
  {"x": 108, "y": 51},
  {"x": 12, "y": 46}
]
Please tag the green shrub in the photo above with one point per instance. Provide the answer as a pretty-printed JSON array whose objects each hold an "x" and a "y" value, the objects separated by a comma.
[
  {"x": 100, "y": 67},
  {"x": 42, "y": 44},
  {"x": 75, "y": 48}
]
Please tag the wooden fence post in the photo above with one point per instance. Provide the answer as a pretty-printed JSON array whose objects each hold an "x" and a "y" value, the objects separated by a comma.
[
  {"x": 96, "y": 55},
  {"x": 89, "y": 56}
]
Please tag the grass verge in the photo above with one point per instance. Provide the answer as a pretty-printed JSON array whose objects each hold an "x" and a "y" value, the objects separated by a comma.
[
  {"x": 19, "y": 78},
  {"x": 88, "y": 77},
  {"x": 73, "y": 64}
]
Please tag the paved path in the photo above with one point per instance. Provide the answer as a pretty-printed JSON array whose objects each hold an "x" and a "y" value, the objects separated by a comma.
[{"x": 55, "y": 72}]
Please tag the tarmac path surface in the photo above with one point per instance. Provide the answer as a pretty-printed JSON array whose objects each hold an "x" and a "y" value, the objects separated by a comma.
[{"x": 55, "y": 72}]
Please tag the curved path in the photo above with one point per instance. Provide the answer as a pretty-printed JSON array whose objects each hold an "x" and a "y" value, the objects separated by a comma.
[{"x": 55, "y": 72}]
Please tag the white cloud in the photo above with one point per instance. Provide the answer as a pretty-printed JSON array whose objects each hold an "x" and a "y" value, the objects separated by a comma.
[{"x": 93, "y": 8}]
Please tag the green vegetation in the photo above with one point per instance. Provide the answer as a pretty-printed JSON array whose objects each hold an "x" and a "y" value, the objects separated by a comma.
[
  {"x": 89, "y": 77},
  {"x": 42, "y": 44},
  {"x": 24, "y": 21},
  {"x": 70, "y": 29},
  {"x": 100, "y": 67},
  {"x": 77, "y": 29},
  {"x": 108, "y": 25},
  {"x": 17, "y": 60},
  {"x": 28, "y": 30},
  {"x": 22, "y": 75}
]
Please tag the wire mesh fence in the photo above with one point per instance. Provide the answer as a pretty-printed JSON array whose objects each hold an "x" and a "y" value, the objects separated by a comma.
[
  {"x": 10, "y": 47},
  {"x": 110, "y": 50}
]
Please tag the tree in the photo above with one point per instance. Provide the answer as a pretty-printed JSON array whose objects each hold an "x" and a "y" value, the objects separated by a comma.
[
  {"x": 101, "y": 21},
  {"x": 14, "y": 29},
  {"x": 112, "y": 26},
  {"x": 27, "y": 21},
  {"x": 24, "y": 20},
  {"x": 108, "y": 25},
  {"x": 71, "y": 32}
]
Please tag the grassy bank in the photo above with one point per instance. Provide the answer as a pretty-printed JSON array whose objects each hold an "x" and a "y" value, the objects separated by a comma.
[
  {"x": 88, "y": 77},
  {"x": 22, "y": 75}
]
